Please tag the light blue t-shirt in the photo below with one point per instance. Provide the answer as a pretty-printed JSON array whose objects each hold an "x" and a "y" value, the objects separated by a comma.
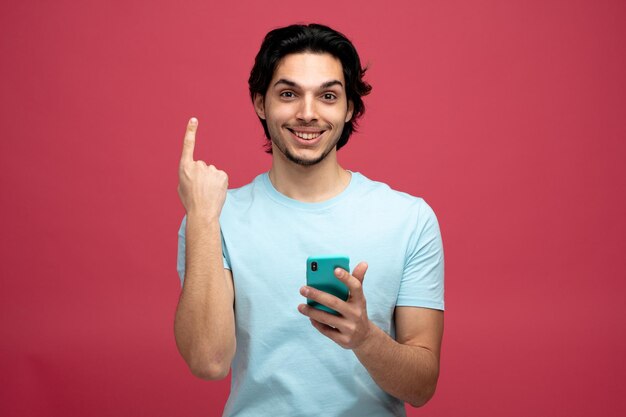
[{"x": 283, "y": 366}]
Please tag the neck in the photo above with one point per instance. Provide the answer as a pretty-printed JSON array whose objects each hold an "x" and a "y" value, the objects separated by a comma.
[{"x": 309, "y": 184}]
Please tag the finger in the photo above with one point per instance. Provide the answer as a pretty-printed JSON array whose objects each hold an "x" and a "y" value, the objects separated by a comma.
[
  {"x": 359, "y": 271},
  {"x": 330, "y": 320},
  {"x": 324, "y": 298},
  {"x": 332, "y": 334},
  {"x": 354, "y": 282},
  {"x": 190, "y": 141}
]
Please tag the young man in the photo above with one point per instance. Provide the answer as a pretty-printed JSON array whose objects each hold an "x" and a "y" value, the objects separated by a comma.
[{"x": 242, "y": 255}]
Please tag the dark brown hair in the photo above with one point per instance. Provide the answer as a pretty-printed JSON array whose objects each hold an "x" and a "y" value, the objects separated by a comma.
[{"x": 317, "y": 39}]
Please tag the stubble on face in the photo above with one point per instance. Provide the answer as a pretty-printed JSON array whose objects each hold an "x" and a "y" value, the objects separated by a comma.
[
  {"x": 300, "y": 74},
  {"x": 300, "y": 161}
]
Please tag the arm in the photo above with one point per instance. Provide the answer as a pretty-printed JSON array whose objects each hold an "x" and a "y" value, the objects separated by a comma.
[
  {"x": 204, "y": 325},
  {"x": 407, "y": 368}
]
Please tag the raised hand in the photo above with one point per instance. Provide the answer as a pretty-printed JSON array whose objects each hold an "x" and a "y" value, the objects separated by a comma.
[{"x": 201, "y": 187}]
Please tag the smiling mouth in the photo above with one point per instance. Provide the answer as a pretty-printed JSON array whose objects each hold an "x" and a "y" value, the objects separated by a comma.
[{"x": 306, "y": 135}]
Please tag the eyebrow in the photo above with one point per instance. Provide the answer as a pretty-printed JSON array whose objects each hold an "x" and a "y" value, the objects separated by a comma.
[{"x": 327, "y": 84}]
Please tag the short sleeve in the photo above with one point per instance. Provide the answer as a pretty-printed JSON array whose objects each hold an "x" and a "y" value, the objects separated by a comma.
[
  {"x": 422, "y": 282},
  {"x": 180, "y": 260}
]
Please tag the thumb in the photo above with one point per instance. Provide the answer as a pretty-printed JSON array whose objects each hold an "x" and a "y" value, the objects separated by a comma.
[{"x": 359, "y": 271}]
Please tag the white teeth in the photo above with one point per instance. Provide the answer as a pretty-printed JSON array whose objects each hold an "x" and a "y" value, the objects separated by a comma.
[{"x": 306, "y": 135}]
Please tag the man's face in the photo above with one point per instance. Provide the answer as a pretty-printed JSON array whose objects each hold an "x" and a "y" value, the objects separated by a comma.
[{"x": 305, "y": 107}]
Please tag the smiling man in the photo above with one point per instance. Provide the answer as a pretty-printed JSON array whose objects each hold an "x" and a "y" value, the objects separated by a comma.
[
  {"x": 242, "y": 254},
  {"x": 313, "y": 134}
]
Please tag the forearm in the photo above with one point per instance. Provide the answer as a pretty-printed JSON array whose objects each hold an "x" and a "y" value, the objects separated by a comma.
[
  {"x": 204, "y": 325},
  {"x": 407, "y": 372}
]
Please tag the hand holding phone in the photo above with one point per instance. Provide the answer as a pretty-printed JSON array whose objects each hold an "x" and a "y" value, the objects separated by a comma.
[{"x": 320, "y": 274}]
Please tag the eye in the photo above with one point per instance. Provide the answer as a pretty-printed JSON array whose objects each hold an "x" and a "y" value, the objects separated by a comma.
[
  {"x": 287, "y": 94},
  {"x": 330, "y": 96}
]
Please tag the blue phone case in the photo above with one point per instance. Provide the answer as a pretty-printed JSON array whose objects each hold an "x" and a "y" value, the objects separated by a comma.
[{"x": 320, "y": 274}]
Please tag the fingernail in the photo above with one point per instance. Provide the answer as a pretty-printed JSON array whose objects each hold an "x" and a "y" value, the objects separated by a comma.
[
  {"x": 339, "y": 272},
  {"x": 193, "y": 121},
  {"x": 304, "y": 291}
]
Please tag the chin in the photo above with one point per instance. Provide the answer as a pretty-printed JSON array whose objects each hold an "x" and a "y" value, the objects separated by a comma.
[
  {"x": 303, "y": 157},
  {"x": 304, "y": 160}
]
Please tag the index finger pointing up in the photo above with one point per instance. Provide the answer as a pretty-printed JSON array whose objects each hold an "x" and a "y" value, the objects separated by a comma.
[{"x": 190, "y": 140}]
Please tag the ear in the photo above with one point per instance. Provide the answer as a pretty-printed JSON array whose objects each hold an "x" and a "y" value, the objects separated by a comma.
[
  {"x": 350, "y": 111},
  {"x": 259, "y": 105}
]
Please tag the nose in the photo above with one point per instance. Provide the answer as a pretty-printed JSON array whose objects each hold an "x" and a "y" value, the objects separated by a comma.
[{"x": 307, "y": 111}]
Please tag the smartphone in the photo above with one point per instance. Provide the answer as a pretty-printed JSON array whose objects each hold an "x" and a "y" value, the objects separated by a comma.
[{"x": 320, "y": 274}]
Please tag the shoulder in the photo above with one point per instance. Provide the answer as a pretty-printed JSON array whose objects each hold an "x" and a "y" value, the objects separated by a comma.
[
  {"x": 379, "y": 194},
  {"x": 244, "y": 194}
]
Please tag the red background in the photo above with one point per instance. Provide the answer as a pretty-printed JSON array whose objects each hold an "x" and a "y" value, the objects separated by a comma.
[{"x": 507, "y": 117}]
